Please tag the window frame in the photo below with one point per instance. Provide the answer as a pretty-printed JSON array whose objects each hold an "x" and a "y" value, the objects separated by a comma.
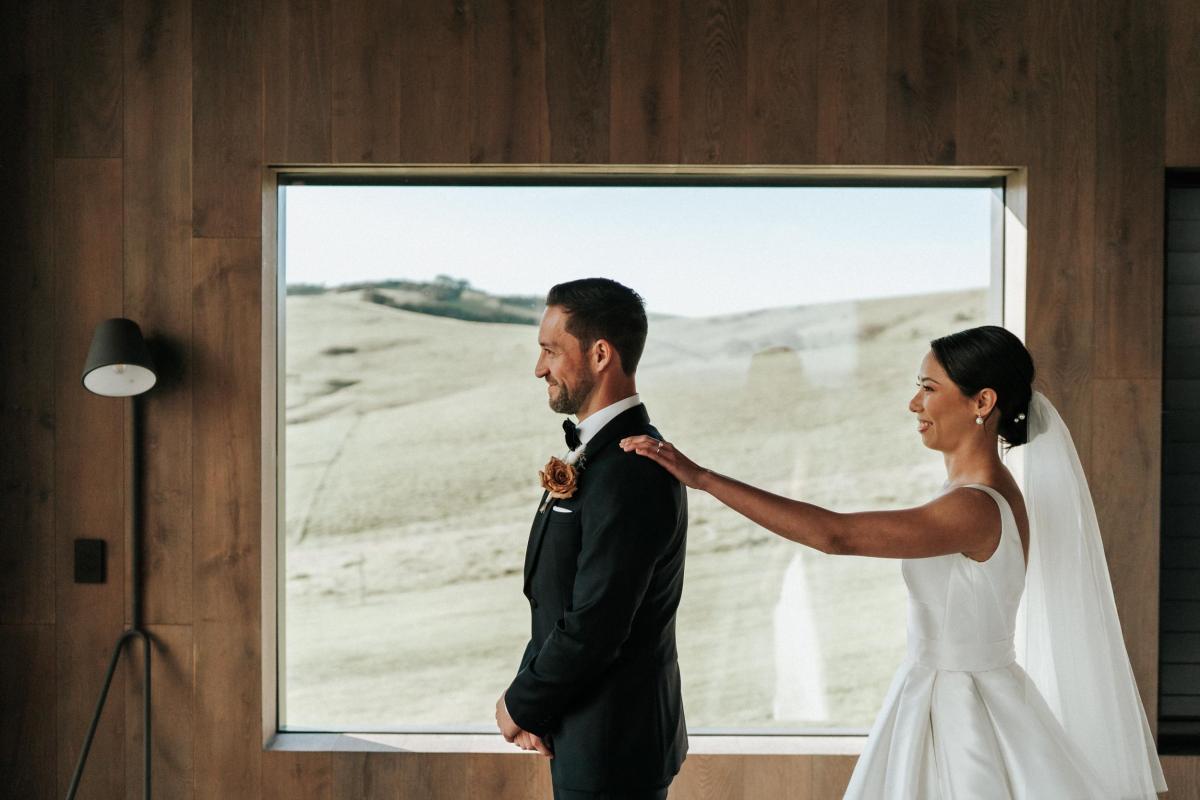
[{"x": 1008, "y": 272}]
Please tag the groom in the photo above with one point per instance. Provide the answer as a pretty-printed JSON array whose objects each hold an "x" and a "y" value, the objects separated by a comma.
[{"x": 598, "y": 686}]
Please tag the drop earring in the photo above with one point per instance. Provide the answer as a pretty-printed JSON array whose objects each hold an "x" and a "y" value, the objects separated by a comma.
[{"x": 978, "y": 420}]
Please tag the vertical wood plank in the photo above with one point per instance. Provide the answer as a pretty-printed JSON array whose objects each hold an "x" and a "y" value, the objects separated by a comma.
[
  {"x": 27, "y": 707},
  {"x": 709, "y": 778},
  {"x": 226, "y": 396},
  {"x": 831, "y": 776},
  {"x": 992, "y": 83},
  {"x": 1129, "y": 189},
  {"x": 1182, "y": 77},
  {"x": 297, "y": 82},
  {"x": 27, "y": 324},
  {"x": 297, "y": 776},
  {"x": 365, "y": 126},
  {"x": 921, "y": 91},
  {"x": 851, "y": 82},
  {"x": 158, "y": 287},
  {"x": 511, "y": 776},
  {"x": 1061, "y": 204},
  {"x": 226, "y": 315},
  {"x": 87, "y": 87},
  {"x": 171, "y": 681},
  {"x": 227, "y": 118},
  {"x": 782, "y": 777},
  {"x": 369, "y": 776},
  {"x": 89, "y": 471},
  {"x": 713, "y": 103},
  {"x": 578, "y": 80},
  {"x": 434, "y": 63},
  {"x": 1129, "y": 445},
  {"x": 509, "y": 117},
  {"x": 227, "y": 748},
  {"x": 645, "y": 83},
  {"x": 1182, "y": 774},
  {"x": 782, "y": 49}
]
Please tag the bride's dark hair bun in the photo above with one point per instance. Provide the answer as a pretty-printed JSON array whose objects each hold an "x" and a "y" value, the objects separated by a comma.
[{"x": 990, "y": 357}]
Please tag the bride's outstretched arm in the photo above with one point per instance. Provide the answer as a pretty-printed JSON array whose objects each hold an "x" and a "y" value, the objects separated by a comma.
[{"x": 949, "y": 524}]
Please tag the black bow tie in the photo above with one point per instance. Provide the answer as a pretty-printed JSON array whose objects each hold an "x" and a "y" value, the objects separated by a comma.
[{"x": 572, "y": 433}]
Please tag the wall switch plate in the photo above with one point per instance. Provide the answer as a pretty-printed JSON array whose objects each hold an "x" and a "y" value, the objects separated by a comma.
[{"x": 89, "y": 561}]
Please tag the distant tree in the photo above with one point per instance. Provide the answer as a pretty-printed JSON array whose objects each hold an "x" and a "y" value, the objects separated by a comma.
[
  {"x": 305, "y": 288},
  {"x": 447, "y": 289}
]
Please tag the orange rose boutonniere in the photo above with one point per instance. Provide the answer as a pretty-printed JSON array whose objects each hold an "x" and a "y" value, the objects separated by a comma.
[{"x": 559, "y": 479}]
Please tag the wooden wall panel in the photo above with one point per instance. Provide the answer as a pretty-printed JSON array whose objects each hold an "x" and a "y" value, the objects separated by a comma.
[
  {"x": 509, "y": 120},
  {"x": 851, "y": 81},
  {"x": 831, "y": 776},
  {"x": 1129, "y": 189},
  {"x": 297, "y": 81},
  {"x": 27, "y": 707},
  {"x": 713, "y": 105},
  {"x": 225, "y": 419},
  {"x": 578, "y": 77},
  {"x": 371, "y": 776},
  {"x": 434, "y": 62},
  {"x": 226, "y": 705},
  {"x": 781, "y": 82},
  {"x": 227, "y": 118},
  {"x": 1061, "y": 205},
  {"x": 645, "y": 83},
  {"x": 522, "y": 776},
  {"x": 1129, "y": 444},
  {"x": 922, "y": 103},
  {"x": 188, "y": 99},
  {"x": 797, "y": 777},
  {"x": 158, "y": 287},
  {"x": 89, "y": 474},
  {"x": 365, "y": 123},
  {"x": 992, "y": 65},
  {"x": 87, "y": 85},
  {"x": 1182, "y": 104},
  {"x": 226, "y": 298},
  {"x": 27, "y": 324},
  {"x": 297, "y": 776},
  {"x": 1182, "y": 774}
]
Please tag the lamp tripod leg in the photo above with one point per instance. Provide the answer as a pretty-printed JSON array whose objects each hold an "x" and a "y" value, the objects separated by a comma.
[{"x": 132, "y": 633}]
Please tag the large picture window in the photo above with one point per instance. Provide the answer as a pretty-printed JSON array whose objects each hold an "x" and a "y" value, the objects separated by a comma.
[{"x": 787, "y": 323}]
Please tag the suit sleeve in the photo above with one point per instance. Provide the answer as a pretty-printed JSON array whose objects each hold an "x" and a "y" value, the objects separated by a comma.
[
  {"x": 527, "y": 656},
  {"x": 625, "y": 530}
]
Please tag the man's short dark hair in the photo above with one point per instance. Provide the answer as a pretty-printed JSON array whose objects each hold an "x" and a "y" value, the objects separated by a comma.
[{"x": 599, "y": 308}]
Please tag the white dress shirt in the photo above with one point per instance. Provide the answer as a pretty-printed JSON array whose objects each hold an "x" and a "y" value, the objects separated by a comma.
[{"x": 594, "y": 422}]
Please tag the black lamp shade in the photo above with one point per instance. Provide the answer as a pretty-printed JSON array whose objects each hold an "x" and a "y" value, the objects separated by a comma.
[{"x": 118, "y": 362}]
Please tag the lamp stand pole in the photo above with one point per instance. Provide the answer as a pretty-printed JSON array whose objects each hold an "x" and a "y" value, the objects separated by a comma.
[{"x": 134, "y": 631}]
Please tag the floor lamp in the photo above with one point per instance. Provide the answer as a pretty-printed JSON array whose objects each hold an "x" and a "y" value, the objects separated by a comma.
[{"x": 118, "y": 365}]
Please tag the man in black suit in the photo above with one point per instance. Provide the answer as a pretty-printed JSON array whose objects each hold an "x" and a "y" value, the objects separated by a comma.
[{"x": 598, "y": 688}]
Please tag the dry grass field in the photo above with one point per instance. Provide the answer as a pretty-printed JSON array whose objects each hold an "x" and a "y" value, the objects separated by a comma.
[{"x": 412, "y": 449}]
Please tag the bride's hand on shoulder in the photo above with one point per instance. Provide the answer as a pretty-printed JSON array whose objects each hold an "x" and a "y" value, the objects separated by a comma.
[{"x": 686, "y": 471}]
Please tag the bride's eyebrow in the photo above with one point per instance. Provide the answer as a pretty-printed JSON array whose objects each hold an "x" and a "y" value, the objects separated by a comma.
[{"x": 923, "y": 378}]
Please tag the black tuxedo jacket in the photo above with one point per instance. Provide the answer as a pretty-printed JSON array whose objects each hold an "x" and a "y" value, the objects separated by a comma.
[{"x": 600, "y": 676}]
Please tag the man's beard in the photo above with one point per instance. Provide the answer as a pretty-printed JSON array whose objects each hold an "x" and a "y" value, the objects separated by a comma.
[{"x": 568, "y": 401}]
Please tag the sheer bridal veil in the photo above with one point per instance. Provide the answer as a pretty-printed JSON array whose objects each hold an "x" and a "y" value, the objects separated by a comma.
[{"x": 1072, "y": 647}]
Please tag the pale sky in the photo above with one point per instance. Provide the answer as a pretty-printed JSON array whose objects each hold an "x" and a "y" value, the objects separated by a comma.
[{"x": 691, "y": 251}]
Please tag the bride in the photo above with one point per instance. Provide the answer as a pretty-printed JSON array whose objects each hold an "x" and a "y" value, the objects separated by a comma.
[{"x": 1017, "y": 683}]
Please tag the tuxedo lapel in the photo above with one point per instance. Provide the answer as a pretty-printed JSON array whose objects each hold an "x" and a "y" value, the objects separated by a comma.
[
  {"x": 537, "y": 532},
  {"x": 627, "y": 423}
]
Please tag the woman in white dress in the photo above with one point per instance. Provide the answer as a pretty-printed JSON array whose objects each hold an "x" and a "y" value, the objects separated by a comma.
[{"x": 1017, "y": 683}]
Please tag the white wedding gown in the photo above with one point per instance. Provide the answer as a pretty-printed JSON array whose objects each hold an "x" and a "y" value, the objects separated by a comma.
[{"x": 962, "y": 719}]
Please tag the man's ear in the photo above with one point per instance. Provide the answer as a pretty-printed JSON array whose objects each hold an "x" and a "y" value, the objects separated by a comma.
[{"x": 602, "y": 355}]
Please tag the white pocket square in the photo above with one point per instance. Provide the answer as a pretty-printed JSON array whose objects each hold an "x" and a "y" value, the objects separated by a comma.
[{"x": 562, "y": 510}]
